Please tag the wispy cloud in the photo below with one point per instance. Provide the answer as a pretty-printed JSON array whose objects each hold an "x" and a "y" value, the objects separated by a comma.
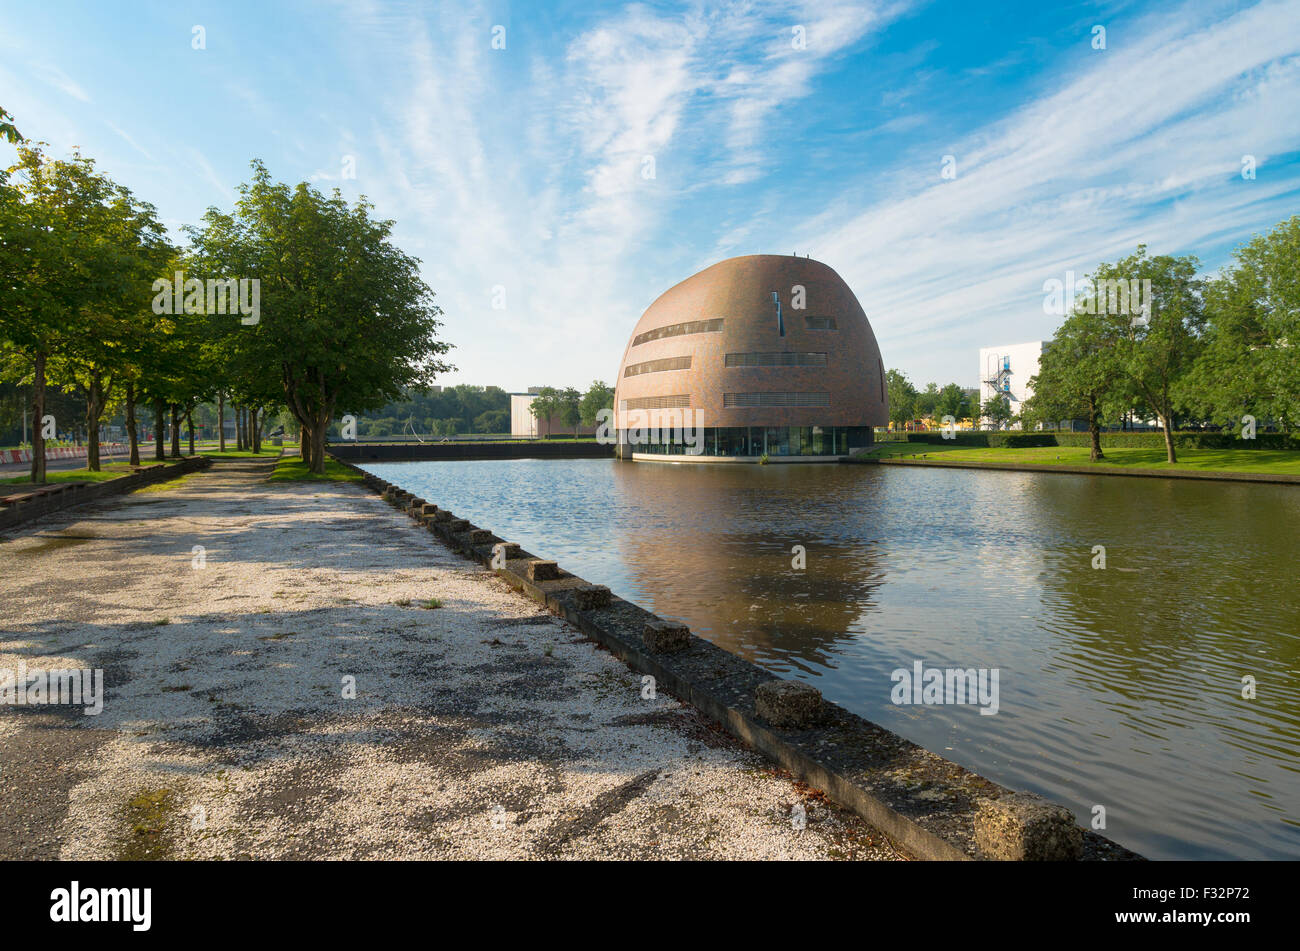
[
  {"x": 1143, "y": 144},
  {"x": 606, "y": 154},
  {"x": 558, "y": 205},
  {"x": 53, "y": 76}
]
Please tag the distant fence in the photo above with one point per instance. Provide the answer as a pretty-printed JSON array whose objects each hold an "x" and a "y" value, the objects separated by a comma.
[{"x": 61, "y": 452}]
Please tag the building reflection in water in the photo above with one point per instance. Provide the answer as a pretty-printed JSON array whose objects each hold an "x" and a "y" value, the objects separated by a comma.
[{"x": 715, "y": 548}]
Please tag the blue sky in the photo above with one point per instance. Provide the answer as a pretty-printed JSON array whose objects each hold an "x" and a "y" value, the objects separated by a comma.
[{"x": 523, "y": 168}]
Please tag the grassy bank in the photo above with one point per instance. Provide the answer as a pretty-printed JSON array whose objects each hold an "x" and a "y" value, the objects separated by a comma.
[
  {"x": 109, "y": 470},
  {"x": 293, "y": 469},
  {"x": 1269, "y": 461},
  {"x": 267, "y": 451}
]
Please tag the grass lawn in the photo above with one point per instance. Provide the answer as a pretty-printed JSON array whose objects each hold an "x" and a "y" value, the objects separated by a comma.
[
  {"x": 1274, "y": 461},
  {"x": 293, "y": 469},
  {"x": 111, "y": 470},
  {"x": 267, "y": 450}
]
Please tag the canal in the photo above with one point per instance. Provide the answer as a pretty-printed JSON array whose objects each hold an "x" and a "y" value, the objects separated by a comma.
[{"x": 1119, "y": 687}]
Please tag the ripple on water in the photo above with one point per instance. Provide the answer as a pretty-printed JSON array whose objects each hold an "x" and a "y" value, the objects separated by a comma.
[{"x": 1120, "y": 688}]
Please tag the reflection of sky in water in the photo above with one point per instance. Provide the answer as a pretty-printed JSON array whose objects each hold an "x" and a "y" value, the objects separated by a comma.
[{"x": 1118, "y": 687}]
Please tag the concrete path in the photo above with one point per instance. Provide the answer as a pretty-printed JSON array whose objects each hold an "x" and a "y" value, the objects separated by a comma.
[{"x": 231, "y": 728}]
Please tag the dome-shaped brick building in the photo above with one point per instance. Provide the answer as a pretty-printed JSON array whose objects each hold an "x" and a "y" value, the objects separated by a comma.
[{"x": 761, "y": 355}]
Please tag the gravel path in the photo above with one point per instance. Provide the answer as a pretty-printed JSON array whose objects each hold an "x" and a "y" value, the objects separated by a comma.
[{"x": 478, "y": 729}]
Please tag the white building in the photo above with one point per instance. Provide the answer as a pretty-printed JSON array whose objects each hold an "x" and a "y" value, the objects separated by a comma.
[
  {"x": 523, "y": 425},
  {"x": 1006, "y": 371}
]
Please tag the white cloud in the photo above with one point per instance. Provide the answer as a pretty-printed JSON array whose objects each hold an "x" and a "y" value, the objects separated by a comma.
[
  {"x": 525, "y": 169},
  {"x": 1143, "y": 145},
  {"x": 53, "y": 76}
]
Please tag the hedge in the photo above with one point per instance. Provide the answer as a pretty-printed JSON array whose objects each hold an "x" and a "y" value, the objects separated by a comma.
[
  {"x": 1010, "y": 440},
  {"x": 1014, "y": 439},
  {"x": 1192, "y": 440}
]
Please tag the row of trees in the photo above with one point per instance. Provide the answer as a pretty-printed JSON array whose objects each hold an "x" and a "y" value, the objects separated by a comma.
[
  {"x": 571, "y": 406},
  {"x": 331, "y": 317},
  {"x": 906, "y": 403},
  {"x": 1207, "y": 351},
  {"x": 463, "y": 408}
]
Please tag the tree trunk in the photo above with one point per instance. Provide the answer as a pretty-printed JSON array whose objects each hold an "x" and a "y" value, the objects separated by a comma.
[
  {"x": 318, "y": 446},
  {"x": 1094, "y": 432},
  {"x": 221, "y": 421},
  {"x": 305, "y": 443},
  {"x": 259, "y": 420},
  {"x": 189, "y": 419},
  {"x": 176, "y": 431},
  {"x": 133, "y": 436},
  {"x": 1169, "y": 439},
  {"x": 38, "y": 420},
  {"x": 159, "y": 430},
  {"x": 94, "y": 410}
]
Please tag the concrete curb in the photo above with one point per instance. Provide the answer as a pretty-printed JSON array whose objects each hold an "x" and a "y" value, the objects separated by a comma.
[
  {"x": 70, "y": 495},
  {"x": 927, "y": 805},
  {"x": 1210, "y": 476}
]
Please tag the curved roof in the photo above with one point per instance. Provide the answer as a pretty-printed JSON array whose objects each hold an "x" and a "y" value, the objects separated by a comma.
[{"x": 713, "y": 343}]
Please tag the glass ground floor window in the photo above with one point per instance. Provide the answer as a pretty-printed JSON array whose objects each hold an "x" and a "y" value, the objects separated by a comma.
[{"x": 772, "y": 441}]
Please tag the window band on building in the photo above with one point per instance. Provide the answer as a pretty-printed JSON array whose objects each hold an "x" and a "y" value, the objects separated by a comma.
[
  {"x": 657, "y": 366},
  {"x": 741, "y": 400},
  {"x": 781, "y": 359},
  {"x": 676, "y": 401},
  {"x": 713, "y": 325},
  {"x": 755, "y": 441}
]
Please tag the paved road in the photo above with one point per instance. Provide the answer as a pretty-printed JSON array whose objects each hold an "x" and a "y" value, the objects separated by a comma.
[{"x": 290, "y": 691}]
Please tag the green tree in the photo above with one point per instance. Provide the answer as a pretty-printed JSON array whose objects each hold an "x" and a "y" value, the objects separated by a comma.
[
  {"x": 59, "y": 266},
  {"x": 103, "y": 364},
  {"x": 1153, "y": 356},
  {"x": 927, "y": 400},
  {"x": 598, "y": 397},
  {"x": 492, "y": 421},
  {"x": 902, "y": 398},
  {"x": 7, "y": 130},
  {"x": 544, "y": 406},
  {"x": 345, "y": 319},
  {"x": 952, "y": 401},
  {"x": 1249, "y": 364},
  {"x": 571, "y": 408},
  {"x": 1077, "y": 375},
  {"x": 997, "y": 410}
]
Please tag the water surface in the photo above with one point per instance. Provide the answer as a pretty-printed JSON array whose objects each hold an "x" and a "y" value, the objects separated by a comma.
[{"x": 1118, "y": 687}]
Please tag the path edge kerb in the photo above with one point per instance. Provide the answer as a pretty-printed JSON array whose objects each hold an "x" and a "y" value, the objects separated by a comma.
[
  {"x": 74, "y": 494},
  {"x": 924, "y": 803}
]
